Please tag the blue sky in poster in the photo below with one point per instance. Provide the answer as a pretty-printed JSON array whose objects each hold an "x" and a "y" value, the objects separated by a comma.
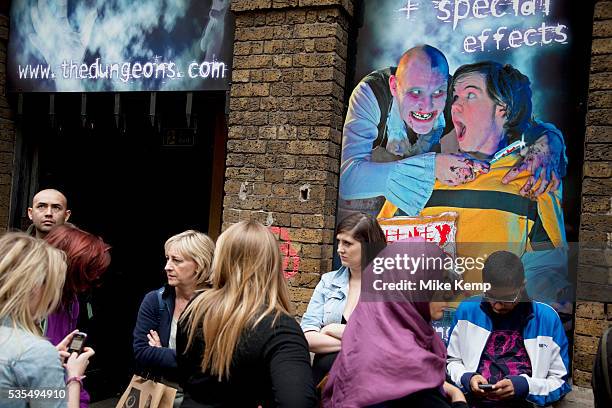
[
  {"x": 532, "y": 35},
  {"x": 133, "y": 41}
]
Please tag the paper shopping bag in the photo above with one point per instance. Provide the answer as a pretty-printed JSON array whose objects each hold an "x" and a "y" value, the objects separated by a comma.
[{"x": 143, "y": 393}]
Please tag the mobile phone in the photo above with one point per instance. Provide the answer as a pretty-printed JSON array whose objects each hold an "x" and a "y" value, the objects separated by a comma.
[
  {"x": 486, "y": 387},
  {"x": 77, "y": 343}
]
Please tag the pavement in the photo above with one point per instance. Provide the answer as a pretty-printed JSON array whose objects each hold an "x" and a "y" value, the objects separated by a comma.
[
  {"x": 107, "y": 403},
  {"x": 579, "y": 398}
]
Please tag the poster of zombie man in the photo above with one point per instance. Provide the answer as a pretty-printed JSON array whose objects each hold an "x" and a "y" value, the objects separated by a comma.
[{"x": 464, "y": 127}]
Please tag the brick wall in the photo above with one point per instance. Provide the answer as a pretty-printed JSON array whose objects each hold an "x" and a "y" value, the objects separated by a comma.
[
  {"x": 285, "y": 125},
  {"x": 595, "y": 271},
  {"x": 7, "y": 130}
]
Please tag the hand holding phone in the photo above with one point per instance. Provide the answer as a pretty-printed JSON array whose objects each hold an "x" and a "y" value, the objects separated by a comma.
[
  {"x": 486, "y": 387},
  {"x": 77, "y": 343},
  {"x": 475, "y": 382}
]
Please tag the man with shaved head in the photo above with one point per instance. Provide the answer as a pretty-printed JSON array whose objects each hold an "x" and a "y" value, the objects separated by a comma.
[
  {"x": 419, "y": 86},
  {"x": 49, "y": 208},
  {"x": 394, "y": 120},
  {"x": 393, "y": 127}
]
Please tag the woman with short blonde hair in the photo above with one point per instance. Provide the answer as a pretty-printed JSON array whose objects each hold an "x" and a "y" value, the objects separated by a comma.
[
  {"x": 188, "y": 260},
  {"x": 197, "y": 246},
  {"x": 237, "y": 343},
  {"x": 32, "y": 276}
]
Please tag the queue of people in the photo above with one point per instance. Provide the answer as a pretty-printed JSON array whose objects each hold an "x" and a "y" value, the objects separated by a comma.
[
  {"x": 238, "y": 344},
  {"x": 222, "y": 329}
]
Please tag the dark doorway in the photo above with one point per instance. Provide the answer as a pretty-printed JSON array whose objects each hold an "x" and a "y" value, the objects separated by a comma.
[{"x": 135, "y": 170}]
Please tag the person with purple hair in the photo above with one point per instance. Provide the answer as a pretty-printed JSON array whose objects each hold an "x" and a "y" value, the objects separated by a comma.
[{"x": 88, "y": 257}]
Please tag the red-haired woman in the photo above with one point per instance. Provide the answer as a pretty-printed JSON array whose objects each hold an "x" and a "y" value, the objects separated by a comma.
[{"x": 88, "y": 258}]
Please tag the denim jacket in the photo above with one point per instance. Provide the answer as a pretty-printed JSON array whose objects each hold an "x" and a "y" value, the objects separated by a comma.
[
  {"x": 328, "y": 301},
  {"x": 28, "y": 362}
]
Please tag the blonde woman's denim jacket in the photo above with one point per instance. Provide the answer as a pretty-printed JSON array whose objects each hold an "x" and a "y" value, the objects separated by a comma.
[
  {"x": 327, "y": 301},
  {"x": 28, "y": 362}
]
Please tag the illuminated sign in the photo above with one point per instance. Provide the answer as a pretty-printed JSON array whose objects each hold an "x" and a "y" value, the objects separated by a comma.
[{"x": 129, "y": 45}]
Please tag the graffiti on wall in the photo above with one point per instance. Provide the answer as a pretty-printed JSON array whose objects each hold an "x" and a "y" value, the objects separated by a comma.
[{"x": 291, "y": 259}]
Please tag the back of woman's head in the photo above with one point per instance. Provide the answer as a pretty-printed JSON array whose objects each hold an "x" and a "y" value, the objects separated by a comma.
[
  {"x": 32, "y": 274},
  {"x": 247, "y": 285},
  {"x": 248, "y": 261},
  {"x": 196, "y": 246},
  {"x": 87, "y": 255}
]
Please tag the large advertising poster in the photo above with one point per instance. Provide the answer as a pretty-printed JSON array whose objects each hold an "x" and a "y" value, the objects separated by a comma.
[
  {"x": 119, "y": 45},
  {"x": 464, "y": 128}
]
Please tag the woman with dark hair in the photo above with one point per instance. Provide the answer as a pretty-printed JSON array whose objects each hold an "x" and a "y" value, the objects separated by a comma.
[
  {"x": 88, "y": 258},
  {"x": 359, "y": 237}
]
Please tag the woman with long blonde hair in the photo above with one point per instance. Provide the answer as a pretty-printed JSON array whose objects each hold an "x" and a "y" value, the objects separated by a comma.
[
  {"x": 32, "y": 275},
  {"x": 237, "y": 344}
]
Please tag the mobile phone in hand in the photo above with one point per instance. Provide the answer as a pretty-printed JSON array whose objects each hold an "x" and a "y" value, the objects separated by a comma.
[
  {"x": 77, "y": 343},
  {"x": 486, "y": 387}
]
